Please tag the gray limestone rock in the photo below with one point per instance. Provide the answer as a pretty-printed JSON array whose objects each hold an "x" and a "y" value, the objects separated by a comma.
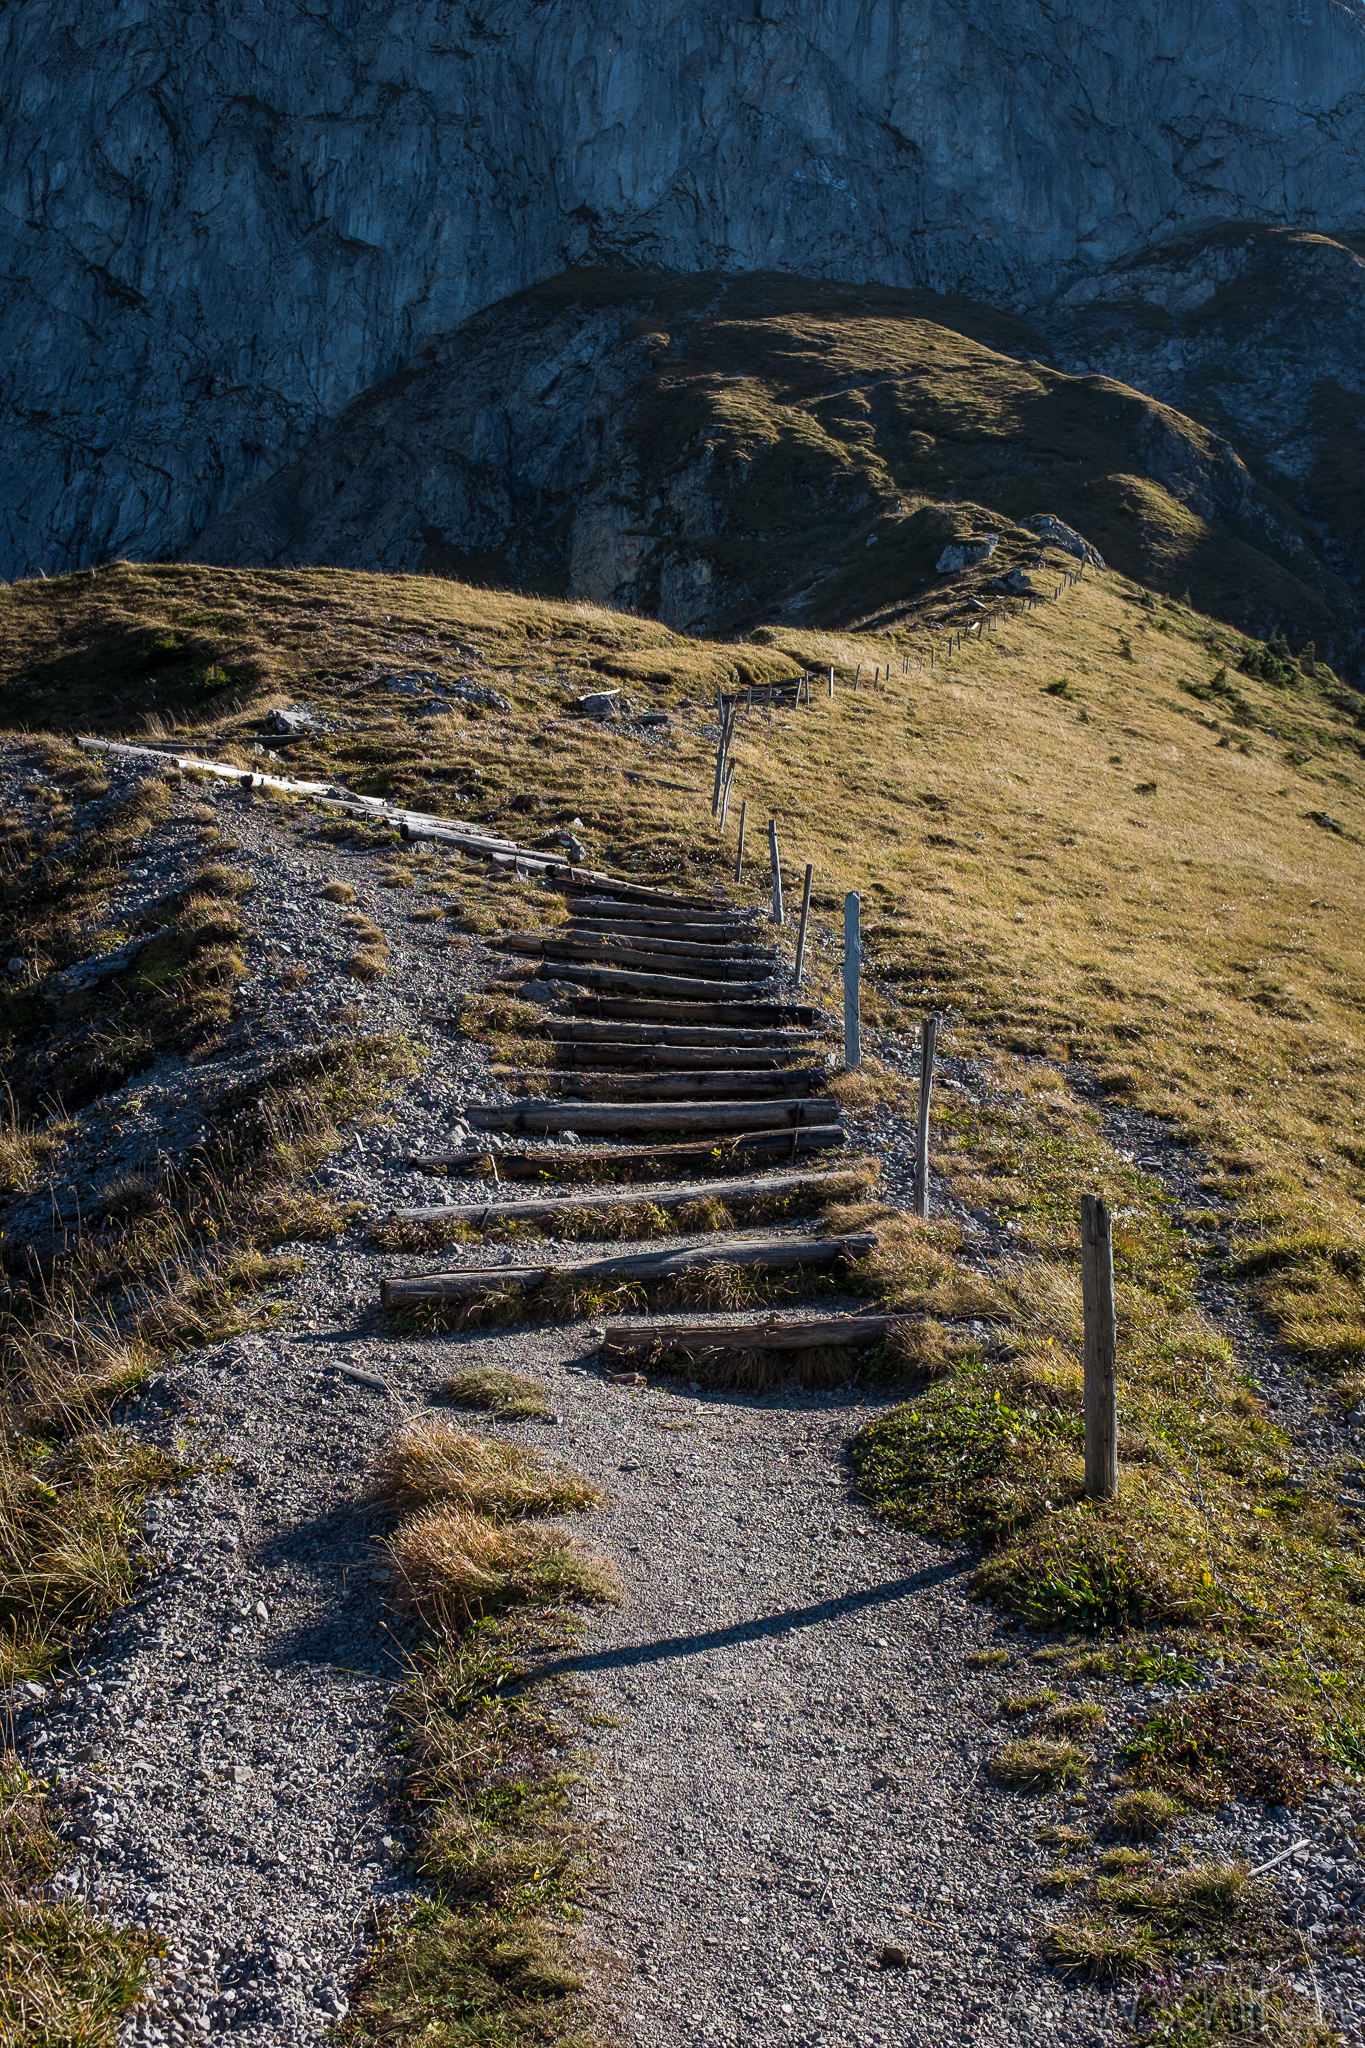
[{"x": 223, "y": 219}]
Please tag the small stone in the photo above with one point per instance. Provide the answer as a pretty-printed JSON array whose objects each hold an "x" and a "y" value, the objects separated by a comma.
[
  {"x": 242, "y": 1774},
  {"x": 627, "y": 1379},
  {"x": 893, "y": 1958},
  {"x": 261, "y": 1611},
  {"x": 16, "y": 966}
]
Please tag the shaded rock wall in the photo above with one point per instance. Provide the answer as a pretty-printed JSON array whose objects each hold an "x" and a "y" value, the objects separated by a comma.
[{"x": 221, "y": 219}]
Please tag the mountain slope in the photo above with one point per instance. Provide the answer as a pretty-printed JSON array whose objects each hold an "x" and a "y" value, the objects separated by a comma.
[{"x": 717, "y": 451}]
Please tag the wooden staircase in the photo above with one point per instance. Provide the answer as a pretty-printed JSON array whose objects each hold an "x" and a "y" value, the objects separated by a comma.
[{"x": 672, "y": 1020}]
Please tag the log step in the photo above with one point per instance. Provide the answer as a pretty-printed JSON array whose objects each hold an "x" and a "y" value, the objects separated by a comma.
[
  {"x": 717, "y": 963},
  {"x": 660, "y": 930},
  {"x": 706, "y": 1155},
  {"x": 767, "y": 1254},
  {"x": 595, "y": 1085},
  {"x": 568, "y": 1031},
  {"x": 741, "y": 1015},
  {"x": 632, "y": 1337},
  {"x": 683, "y": 1058},
  {"x": 606, "y": 1117},
  {"x": 535, "y": 1208}
]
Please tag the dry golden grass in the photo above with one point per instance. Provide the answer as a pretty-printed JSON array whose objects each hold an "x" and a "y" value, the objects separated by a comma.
[
  {"x": 508, "y": 1395},
  {"x": 68, "y": 1979},
  {"x": 430, "y": 1461},
  {"x": 339, "y": 892},
  {"x": 454, "y": 1566}
]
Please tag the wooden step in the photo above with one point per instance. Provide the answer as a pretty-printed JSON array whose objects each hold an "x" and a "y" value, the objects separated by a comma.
[
  {"x": 607, "y": 888},
  {"x": 624, "y": 981},
  {"x": 537, "y": 1208},
  {"x": 705, "y": 1155},
  {"x": 768, "y": 1254},
  {"x": 643, "y": 1117},
  {"x": 670, "y": 930},
  {"x": 594, "y": 1085},
  {"x": 717, "y": 963},
  {"x": 632, "y": 1337},
  {"x": 608, "y": 909},
  {"x": 567, "y": 1031},
  {"x": 682, "y": 1058},
  {"x": 735, "y": 1012}
]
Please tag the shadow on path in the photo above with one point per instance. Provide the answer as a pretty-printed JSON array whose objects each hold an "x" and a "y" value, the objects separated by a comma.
[{"x": 786, "y": 1623}]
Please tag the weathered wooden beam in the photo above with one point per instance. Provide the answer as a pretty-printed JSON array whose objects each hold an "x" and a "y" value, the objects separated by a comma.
[
  {"x": 577, "y": 1031},
  {"x": 733, "y": 931},
  {"x": 686, "y": 1084},
  {"x": 629, "y": 981},
  {"x": 532, "y": 1208},
  {"x": 675, "y": 1058},
  {"x": 632, "y": 1337},
  {"x": 717, "y": 963},
  {"x": 730, "y": 1010},
  {"x": 668, "y": 910},
  {"x": 767, "y": 1254},
  {"x": 707, "y": 1155},
  {"x": 605, "y": 1117}
]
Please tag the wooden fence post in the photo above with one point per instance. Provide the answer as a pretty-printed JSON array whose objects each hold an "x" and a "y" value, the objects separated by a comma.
[
  {"x": 777, "y": 873},
  {"x": 1101, "y": 1362},
  {"x": 928, "y": 1045},
  {"x": 853, "y": 953},
  {"x": 739, "y": 852},
  {"x": 725, "y": 793},
  {"x": 831, "y": 679},
  {"x": 805, "y": 919}
]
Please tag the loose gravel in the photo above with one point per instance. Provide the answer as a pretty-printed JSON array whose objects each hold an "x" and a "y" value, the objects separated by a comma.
[{"x": 796, "y": 1842}]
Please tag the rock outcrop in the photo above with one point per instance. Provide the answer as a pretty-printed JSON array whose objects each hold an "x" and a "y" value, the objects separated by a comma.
[{"x": 224, "y": 219}]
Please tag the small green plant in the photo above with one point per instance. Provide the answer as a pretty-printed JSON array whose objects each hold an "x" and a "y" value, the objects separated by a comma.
[{"x": 986, "y": 1660}]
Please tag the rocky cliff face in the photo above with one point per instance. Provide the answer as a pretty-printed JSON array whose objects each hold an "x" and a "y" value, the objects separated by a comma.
[{"x": 223, "y": 219}]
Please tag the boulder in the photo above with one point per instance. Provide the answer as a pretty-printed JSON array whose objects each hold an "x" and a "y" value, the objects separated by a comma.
[
  {"x": 1057, "y": 534},
  {"x": 967, "y": 554}
]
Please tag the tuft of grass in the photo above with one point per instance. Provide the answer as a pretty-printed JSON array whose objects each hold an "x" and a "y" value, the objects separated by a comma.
[
  {"x": 986, "y": 1660},
  {"x": 1022, "y": 1704},
  {"x": 1034, "y": 1764},
  {"x": 508, "y": 1395},
  {"x": 1144, "y": 1814},
  {"x": 338, "y": 892},
  {"x": 1100, "y": 1949},
  {"x": 1074, "y": 1717},
  {"x": 429, "y": 1461},
  {"x": 454, "y": 1566},
  {"x": 484, "y": 1961},
  {"x": 69, "y": 1978}
]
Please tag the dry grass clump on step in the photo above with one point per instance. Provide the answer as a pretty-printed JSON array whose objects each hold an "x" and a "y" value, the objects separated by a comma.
[
  {"x": 508, "y": 1395},
  {"x": 429, "y": 1461},
  {"x": 455, "y": 1566}
]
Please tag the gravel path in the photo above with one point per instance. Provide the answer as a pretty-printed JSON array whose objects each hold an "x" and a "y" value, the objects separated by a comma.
[{"x": 797, "y": 1842}]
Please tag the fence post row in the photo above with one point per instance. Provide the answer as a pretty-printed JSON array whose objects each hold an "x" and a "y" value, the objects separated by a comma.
[
  {"x": 928, "y": 1046},
  {"x": 1101, "y": 1359},
  {"x": 853, "y": 950}
]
